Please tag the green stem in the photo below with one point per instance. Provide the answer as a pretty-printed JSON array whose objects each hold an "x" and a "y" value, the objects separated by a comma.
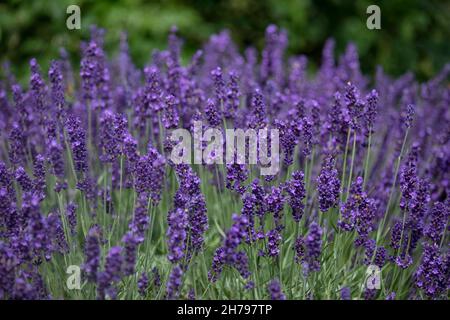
[
  {"x": 366, "y": 166},
  {"x": 344, "y": 165},
  {"x": 383, "y": 221},
  {"x": 351, "y": 163}
]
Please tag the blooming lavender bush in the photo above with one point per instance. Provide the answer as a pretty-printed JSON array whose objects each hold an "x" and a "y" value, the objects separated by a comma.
[{"x": 87, "y": 178}]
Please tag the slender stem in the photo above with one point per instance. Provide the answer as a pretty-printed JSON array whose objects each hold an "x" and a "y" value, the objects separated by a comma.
[
  {"x": 344, "y": 165},
  {"x": 366, "y": 166},
  {"x": 383, "y": 221},
  {"x": 351, "y": 163}
]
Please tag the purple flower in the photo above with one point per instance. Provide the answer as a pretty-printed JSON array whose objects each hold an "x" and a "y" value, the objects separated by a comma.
[
  {"x": 153, "y": 91},
  {"x": 139, "y": 224},
  {"x": 92, "y": 254},
  {"x": 300, "y": 250},
  {"x": 156, "y": 278},
  {"x": 234, "y": 236},
  {"x": 89, "y": 188},
  {"x": 272, "y": 56},
  {"x": 328, "y": 185},
  {"x": 408, "y": 178},
  {"x": 297, "y": 75},
  {"x": 370, "y": 294},
  {"x": 190, "y": 198},
  {"x": 374, "y": 255},
  {"x": 143, "y": 284},
  {"x": 111, "y": 274},
  {"x": 7, "y": 270},
  {"x": 56, "y": 231},
  {"x": 170, "y": 117},
  {"x": 71, "y": 213},
  {"x": 295, "y": 188},
  {"x": 249, "y": 285},
  {"x": 16, "y": 145},
  {"x": 236, "y": 175},
  {"x": 213, "y": 114},
  {"x": 56, "y": 86},
  {"x": 316, "y": 120},
  {"x": 39, "y": 174},
  {"x": 346, "y": 293},
  {"x": 380, "y": 256},
  {"x": 241, "y": 264},
  {"x": 249, "y": 209},
  {"x": 438, "y": 220},
  {"x": 313, "y": 246},
  {"x": 337, "y": 121},
  {"x": 89, "y": 70},
  {"x": 55, "y": 156},
  {"x": 77, "y": 139},
  {"x": 22, "y": 289},
  {"x": 354, "y": 105},
  {"x": 275, "y": 292},
  {"x": 371, "y": 110},
  {"x": 191, "y": 294},
  {"x": 432, "y": 275},
  {"x": 176, "y": 234},
  {"x": 288, "y": 140},
  {"x": 149, "y": 174},
  {"x": 23, "y": 179},
  {"x": 358, "y": 212},
  {"x": 130, "y": 245},
  {"x": 36, "y": 227},
  {"x": 198, "y": 221},
  {"x": 174, "y": 75},
  {"x": 232, "y": 96},
  {"x": 130, "y": 149},
  {"x": 391, "y": 296},
  {"x": 419, "y": 204},
  {"x": 112, "y": 132},
  {"x": 396, "y": 234},
  {"x": 408, "y": 115},
  {"x": 273, "y": 242},
  {"x": 174, "y": 283},
  {"x": 258, "y": 108},
  {"x": 274, "y": 203},
  {"x": 227, "y": 254},
  {"x": 307, "y": 135},
  {"x": 121, "y": 175},
  {"x": 219, "y": 85},
  {"x": 37, "y": 87},
  {"x": 404, "y": 260},
  {"x": 218, "y": 263}
]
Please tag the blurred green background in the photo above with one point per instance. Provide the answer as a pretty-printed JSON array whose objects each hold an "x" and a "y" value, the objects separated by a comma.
[{"x": 415, "y": 34}]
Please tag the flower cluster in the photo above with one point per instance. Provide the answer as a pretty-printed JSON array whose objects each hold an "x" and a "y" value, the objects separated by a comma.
[{"x": 87, "y": 176}]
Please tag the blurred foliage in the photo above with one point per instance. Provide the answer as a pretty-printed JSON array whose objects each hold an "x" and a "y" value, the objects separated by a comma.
[{"x": 414, "y": 35}]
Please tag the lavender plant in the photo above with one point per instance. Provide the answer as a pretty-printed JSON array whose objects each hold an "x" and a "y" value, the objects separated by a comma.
[{"x": 87, "y": 178}]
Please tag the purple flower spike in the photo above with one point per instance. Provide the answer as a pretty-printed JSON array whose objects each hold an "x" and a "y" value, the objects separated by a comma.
[
  {"x": 328, "y": 185},
  {"x": 275, "y": 292},
  {"x": 112, "y": 274},
  {"x": 432, "y": 274},
  {"x": 130, "y": 245},
  {"x": 92, "y": 253},
  {"x": 295, "y": 188},
  {"x": 174, "y": 283},
  {"x": 143, "y": 284},
  {"x": 213, "y": 114},
  {"x": 170, "y": 117},
  {"x": 77, "y": 139},
  {"x": 313, "y": 245},
  {"x": 346, "y": 293},
  {"x": 176, "y": 234}
]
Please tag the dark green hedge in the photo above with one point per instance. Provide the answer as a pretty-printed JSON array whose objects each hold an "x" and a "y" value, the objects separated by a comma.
[{"x": 415, "y": 34}]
